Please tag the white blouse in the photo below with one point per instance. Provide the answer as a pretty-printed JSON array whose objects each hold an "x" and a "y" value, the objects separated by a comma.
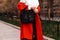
[{"x": 31, "y": 3}]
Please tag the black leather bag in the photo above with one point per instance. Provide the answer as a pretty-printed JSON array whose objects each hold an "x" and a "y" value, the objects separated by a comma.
[{"x": 27, "y": 16}]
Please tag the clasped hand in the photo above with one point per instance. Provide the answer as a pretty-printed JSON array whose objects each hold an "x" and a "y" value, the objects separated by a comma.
[{"x": 35, "y": 9}]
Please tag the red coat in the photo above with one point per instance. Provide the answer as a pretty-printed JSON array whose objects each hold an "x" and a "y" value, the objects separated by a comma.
[{"x": 27, "y": 29}]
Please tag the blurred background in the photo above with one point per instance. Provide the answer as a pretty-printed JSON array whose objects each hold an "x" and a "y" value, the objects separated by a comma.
[{"x": 49, "y": 15}]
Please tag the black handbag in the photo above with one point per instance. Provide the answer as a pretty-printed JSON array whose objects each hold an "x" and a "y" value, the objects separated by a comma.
[{"x": 27, "y": 16}]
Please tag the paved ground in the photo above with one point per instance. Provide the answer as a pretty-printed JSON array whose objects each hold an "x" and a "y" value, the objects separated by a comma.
[
  {"x": 47, "y": 38},
  {"x": 8, "y": 32}
]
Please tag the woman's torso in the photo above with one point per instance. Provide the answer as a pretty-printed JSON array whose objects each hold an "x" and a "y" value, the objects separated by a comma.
[{"x": 31, "y": 3}]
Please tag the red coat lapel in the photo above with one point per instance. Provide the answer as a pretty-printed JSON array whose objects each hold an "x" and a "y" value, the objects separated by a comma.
[{"x": 39, "y": 28}]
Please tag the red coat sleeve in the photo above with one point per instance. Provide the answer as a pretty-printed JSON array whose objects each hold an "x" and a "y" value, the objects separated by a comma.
[{"x": 21, "y": 6}]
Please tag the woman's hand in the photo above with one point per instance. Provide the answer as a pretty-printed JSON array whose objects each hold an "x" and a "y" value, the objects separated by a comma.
[{"x": 35, "y": 9}]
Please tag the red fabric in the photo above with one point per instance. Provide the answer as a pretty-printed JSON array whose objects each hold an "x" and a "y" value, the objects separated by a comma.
[
  {"x": 39, "y": 28},
  {"x": 21, "y": 6},
  {"x": 38, "y": 9},
  {"x": 27, "y": 29}
]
